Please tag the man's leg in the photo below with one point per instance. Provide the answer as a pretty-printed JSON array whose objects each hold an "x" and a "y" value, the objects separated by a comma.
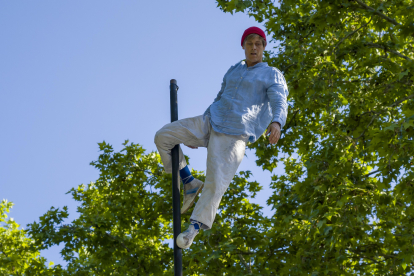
[
  {"x": 194, "y": 132},
  {"x": 225, "y": 152}
]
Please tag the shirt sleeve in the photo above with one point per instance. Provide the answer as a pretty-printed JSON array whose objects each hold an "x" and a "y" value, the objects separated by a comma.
[
  {"x": 278, "y": 93},
  {"x": 218, "y": 97}
]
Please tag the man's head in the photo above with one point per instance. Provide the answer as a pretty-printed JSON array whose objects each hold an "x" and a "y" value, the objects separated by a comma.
[{"x": 253, "y": 42}]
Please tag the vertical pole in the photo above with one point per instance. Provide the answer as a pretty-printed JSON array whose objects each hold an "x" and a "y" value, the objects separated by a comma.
[{"x": 178, "y": 258}]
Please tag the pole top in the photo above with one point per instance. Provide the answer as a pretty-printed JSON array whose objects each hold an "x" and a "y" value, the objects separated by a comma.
[{"x": 173, "y": 81}]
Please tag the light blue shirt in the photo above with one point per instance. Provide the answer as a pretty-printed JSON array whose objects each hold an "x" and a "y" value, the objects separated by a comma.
[{"x": 249, "y": 100}]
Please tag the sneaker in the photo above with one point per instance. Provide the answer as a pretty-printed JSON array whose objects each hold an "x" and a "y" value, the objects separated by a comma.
[
  {"x": 185, "y": 239},
  {"x": 191, "y": 191}
]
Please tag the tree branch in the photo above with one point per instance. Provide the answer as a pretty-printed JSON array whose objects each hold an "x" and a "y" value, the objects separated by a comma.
[
  {"x": 342, "y": 40},
  {"x": 374, "y": 45},
  {"x": 380, "y": 14},
  {"x": 385, "y": 58},
  {"x": 120, "y": 242},
  {"x": 375, "y": 116},
  {"x": 3, "y": 251},
  {"x": 244, "y": 263},
  {"x": 371, "y": 173},
  {"x": 287, "y": 67},
  {"x": 288, "y": 124},
  {"x": 403, "y": 99}
]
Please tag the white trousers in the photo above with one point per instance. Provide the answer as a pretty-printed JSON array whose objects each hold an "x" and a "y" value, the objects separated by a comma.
[{"x": 224, "y": 154}]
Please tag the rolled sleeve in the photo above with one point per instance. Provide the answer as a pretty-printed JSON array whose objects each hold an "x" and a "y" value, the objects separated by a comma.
[{"x": 278, "y": 93}]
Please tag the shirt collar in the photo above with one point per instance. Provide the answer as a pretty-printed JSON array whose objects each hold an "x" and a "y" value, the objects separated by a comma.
[{"x": 260, "y": 64}]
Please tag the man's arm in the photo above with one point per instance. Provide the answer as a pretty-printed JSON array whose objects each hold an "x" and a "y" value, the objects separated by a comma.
[{"x": 277, "y": 94}]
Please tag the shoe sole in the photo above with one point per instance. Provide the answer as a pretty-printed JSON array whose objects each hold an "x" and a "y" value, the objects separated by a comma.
[{"x": 192, "y": 202}]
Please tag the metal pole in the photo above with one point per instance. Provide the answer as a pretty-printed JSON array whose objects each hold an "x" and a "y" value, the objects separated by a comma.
[{"x": 178, "y": 258}]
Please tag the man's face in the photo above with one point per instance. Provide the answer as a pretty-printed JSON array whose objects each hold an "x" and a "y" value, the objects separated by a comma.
[{"x": 253, "y": 49}]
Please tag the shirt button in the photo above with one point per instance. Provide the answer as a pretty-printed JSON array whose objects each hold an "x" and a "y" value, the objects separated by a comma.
[
  {"x": 241, "y": 77},
  {"x": 236, "y": 87}
]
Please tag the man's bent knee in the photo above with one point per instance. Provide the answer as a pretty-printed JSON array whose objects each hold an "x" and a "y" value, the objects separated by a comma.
[{"x": 158, "y": 136}]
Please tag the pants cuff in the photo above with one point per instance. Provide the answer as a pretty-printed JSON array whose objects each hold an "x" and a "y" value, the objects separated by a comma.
[
  {"x": 205, "y": 226},
  {"x": 181, "y": 165}
]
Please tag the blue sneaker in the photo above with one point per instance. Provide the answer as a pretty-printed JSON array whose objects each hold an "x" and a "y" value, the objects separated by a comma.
[
  {"x": 185, "y": 239},
  {"x": 191, "y": 191}
]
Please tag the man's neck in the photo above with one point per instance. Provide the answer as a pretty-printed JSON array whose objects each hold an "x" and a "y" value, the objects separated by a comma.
[{"x": 252, "y": 64}]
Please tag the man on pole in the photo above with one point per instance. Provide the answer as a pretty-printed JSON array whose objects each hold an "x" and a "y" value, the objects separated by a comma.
[{"x": 253, "y": 97}]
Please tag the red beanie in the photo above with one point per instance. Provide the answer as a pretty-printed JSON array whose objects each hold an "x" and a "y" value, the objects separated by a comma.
[{"x": 253, "y": 30}]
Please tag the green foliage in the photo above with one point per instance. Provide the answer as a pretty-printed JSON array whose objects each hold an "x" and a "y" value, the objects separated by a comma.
[
  {"x": 17, "y": 254},
  {"x": 344, "y": 205},
  {"x": 125, "y": 222},
  {"x": 123, "y": 219}
]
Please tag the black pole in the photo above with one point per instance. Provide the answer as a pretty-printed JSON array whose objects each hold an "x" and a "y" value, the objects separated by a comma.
[{"x": 178, "y": 258}]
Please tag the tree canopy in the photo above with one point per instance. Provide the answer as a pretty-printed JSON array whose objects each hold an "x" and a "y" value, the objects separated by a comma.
[
  {"x": 18, "y": 256},
  {"x": 344, "y": 203}
]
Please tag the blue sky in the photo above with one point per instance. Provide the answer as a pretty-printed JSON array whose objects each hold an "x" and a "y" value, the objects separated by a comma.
[{"x": 75, "y": 73}]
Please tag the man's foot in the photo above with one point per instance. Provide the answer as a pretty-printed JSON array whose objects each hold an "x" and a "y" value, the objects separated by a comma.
[
  {"x": 191, "y": 190},
  {"x": 185, "y": 239}
]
